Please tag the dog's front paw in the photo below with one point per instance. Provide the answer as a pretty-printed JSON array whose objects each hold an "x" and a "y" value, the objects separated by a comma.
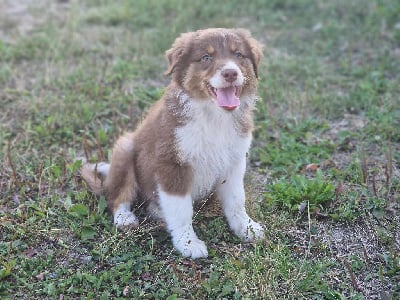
[
  {"x": 247, "y": 229},
  {"x": 125, "y": 220},
  {"x": 253, "y": 231},
  {"x": 193, "y": 247}
]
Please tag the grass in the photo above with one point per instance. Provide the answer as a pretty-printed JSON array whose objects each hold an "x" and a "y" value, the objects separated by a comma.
[{"x": 323, "y": 172}]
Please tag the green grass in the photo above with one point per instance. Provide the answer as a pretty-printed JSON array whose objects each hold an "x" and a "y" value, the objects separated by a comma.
[{"x": 323, "y": 172}]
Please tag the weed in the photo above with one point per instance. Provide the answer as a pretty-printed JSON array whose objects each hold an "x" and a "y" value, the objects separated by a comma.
[{"x": 298, "y": 192}]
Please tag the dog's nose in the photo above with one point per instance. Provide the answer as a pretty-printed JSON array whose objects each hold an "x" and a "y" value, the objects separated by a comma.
[{"x": 230, "y": 75}]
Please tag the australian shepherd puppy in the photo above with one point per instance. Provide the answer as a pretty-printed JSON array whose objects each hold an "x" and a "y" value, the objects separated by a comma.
[{"x": 193, "y": 141}]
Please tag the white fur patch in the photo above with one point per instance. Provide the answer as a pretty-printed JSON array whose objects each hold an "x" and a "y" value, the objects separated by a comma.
[
  {"x": 232, "y": 195},
  {"x": 211, "y": 144},
  {"x": 218, "y": 81},
  {"x": 123, "y": 217},
  {"x": 102, "y": 168},
  {"x": 178, "y": 212}
]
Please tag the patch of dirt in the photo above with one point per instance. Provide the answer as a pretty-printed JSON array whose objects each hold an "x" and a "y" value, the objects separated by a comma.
[
  {"x": 360, "y": 241},
  {"x": 18, "y": 18},
  {"x": 15, "y": 19}
]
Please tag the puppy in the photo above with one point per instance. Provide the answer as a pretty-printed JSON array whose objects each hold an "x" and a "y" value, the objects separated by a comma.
[{"x": 193, "y": 141}]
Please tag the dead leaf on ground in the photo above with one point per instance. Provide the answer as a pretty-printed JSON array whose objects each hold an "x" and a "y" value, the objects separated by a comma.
[
  {"x": 40, "y": 276},
  {"x": 311, "y": 168}
]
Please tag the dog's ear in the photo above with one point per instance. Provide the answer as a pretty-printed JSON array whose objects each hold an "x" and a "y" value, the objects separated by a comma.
[
  {"x": 255, "y": 48},
  {"x": 177, "y": 51}
]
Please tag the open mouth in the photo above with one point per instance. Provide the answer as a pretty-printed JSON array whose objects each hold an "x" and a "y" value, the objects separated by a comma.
[{"x": 227, "y": 97}]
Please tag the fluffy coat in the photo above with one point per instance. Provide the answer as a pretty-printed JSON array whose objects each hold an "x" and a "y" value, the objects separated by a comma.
[{"x": 193, "y": 141}]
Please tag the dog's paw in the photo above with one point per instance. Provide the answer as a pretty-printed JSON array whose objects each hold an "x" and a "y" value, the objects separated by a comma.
[
  {"x": 102, "y": 168},
  {"x": 125, "y": 220},
  {"x": 193, "y": 248},
  {"x": 247, "y": 229},
  {"x": 253, "y": 231}
]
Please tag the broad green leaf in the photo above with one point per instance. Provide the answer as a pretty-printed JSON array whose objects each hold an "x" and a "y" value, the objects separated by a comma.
[
  {"x": 79, "y": 209},
  {"x": 88, "y": 232}
]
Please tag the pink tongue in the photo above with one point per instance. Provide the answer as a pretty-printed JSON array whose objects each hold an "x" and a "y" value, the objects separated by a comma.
[{"x": 226, "y": 97}]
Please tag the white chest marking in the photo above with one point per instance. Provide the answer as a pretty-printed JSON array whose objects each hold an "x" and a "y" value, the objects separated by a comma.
[{"x": 210, "y": 143}]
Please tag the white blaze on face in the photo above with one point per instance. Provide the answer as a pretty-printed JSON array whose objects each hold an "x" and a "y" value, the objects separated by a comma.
[
  {"x": 227, "y": 92},
  {"x": 218, "y": 81}
]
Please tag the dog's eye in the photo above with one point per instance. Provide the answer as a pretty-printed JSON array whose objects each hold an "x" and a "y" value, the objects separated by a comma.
[
  {"x": 238, "y": 54},
  {"x": 206, "y": 58}
]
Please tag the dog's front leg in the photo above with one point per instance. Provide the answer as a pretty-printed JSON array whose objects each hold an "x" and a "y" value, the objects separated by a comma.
[
  {"x": 231, "y": 194},
  {"x": 177, "y": 212}
]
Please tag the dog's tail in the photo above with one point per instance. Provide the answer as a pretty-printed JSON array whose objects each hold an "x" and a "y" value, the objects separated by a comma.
[{"x": 95, "y": 175}]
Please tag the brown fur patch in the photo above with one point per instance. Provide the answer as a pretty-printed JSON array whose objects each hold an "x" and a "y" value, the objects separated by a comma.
[{"x": 95, "y": 182}]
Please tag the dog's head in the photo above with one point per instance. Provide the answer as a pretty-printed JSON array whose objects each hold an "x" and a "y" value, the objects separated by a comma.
[{"x": 216, "y": 63}]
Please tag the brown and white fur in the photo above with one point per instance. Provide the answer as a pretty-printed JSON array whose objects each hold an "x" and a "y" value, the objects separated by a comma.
[{"x": 193, "y": 141}]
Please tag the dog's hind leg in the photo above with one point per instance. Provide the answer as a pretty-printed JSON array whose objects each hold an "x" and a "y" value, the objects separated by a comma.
[
  {"x": 121, "y": 184},
  {"x": 94, "y": 175}
]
